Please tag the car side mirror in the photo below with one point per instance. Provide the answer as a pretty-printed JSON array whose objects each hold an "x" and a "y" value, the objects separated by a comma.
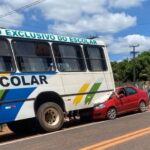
[{"x": 121, "y": 95}]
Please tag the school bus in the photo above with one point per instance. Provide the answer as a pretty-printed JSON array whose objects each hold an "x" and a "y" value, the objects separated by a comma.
[{"x": 46, "y": 77}]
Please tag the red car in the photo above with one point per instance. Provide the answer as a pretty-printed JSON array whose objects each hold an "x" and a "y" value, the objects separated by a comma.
[{"x": 125, "y": 99}]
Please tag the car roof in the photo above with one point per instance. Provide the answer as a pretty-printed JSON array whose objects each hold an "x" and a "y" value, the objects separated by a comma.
[{"x": 124, "y": 86}]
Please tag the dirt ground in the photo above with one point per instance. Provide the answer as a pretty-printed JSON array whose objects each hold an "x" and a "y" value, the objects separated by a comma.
[{"x": 4, "y": 130}]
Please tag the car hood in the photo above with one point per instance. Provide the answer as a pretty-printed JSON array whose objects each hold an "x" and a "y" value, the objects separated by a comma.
[{"x": 102, "y": 97}]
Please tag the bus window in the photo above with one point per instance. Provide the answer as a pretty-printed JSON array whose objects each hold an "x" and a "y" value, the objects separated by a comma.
[
  {"x": 95, "y": 58},
  {"x": 33, "y": 56},
  {"x": 68, "y": 57},
  {"x": 6, "y": 62}
]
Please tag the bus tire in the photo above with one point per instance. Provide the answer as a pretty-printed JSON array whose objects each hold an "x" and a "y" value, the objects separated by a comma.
[
  {"x": 50, "y": 116},
  {"x": 22, "y": 126}
]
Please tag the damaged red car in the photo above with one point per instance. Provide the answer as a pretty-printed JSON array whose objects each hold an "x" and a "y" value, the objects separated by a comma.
[{"x": 125, "y": 99}]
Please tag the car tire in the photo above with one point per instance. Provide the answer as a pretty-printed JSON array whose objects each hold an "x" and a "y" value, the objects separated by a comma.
[
  {"x": 111, "y": 113},
  {"x": 142, "y": 106},
  {"x": 50, "y": 117}
]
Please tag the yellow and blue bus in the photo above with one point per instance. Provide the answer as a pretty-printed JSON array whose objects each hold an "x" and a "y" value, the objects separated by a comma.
[{"x": 45, "y": 77}]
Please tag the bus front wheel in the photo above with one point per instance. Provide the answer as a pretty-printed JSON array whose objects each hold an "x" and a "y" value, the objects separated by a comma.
[{"x": 50, "y": 116}]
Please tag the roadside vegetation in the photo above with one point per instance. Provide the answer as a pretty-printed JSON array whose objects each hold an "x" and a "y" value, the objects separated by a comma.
[{"x": 123, "y": 71}]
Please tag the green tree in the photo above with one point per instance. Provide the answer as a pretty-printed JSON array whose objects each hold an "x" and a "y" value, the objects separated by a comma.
[{"x": 123, "y": 71}]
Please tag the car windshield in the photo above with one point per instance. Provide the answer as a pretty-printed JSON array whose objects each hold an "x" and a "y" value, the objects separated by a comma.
[
  {"x": 112, "y": 95},
  {"x": 115, "y": 93}
]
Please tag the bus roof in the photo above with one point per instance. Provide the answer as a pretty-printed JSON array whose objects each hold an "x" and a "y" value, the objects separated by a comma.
[{"x": 47, "y": 36}]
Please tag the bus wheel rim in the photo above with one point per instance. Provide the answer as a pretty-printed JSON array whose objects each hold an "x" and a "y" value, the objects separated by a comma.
[{"x": 51, "y": 116}]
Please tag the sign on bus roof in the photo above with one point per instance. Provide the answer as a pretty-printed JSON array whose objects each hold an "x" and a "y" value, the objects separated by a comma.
[{"x": 45, "y": 36}]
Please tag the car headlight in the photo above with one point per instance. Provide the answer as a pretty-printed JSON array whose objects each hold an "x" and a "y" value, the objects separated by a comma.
[{"x": 101, "y": 105}]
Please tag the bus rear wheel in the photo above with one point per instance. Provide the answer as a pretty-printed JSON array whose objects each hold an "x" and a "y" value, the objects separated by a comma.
[
  {"x": 23, "y": 126},
  {"x": 50, "y": 116}
]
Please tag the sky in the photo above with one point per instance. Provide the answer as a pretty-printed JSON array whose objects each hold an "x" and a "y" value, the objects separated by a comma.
[{"x": 119, "y": 23}]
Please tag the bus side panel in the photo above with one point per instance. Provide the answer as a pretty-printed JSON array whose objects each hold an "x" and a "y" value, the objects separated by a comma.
[
  {"x": 8, "y": 109},
  {"x": 109, "y": 74},
  {"x": 18, "y": 103},
  {"x": 83, "y": 92},
  {"x": 54, "y": 85},
  {"x": 26, "y": 111}
]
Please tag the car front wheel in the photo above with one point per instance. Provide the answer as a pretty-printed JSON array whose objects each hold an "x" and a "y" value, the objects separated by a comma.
[
  {"x": 142, "y": 106},
  {"x": 111, "y": 113}
]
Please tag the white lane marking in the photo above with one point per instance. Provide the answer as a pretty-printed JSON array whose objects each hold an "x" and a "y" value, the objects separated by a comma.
[{"x": 72, "y": 128}]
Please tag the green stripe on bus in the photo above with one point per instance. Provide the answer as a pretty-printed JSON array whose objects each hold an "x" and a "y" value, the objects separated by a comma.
[
  {"x": 2, "y": 93},
  {"x": 89, "y": 97}
]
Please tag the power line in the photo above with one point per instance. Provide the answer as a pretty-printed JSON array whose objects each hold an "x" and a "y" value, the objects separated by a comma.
[
  {"x": 21, "y": 8},
  {"x": 37, "y": 26},
  {"x": 25, "y": 24}
]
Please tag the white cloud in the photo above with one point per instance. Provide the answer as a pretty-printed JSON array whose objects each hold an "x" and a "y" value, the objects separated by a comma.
[
  {"x": 141, "y": 40},
  {"x": 125, "y": 3},
  {"x": 136, "y": 39},
  {"x": 84, "y": 16},
  {"x": 107, "y": 39},
  {"x": 76, "y": 16},
  {"x": 70, "y": 11},
  {"x": 15, "y": 3},
  {"x": 14, "y": 20},
  {"x": 121, "y": 45},
  {"x": 97, "y": 23}
]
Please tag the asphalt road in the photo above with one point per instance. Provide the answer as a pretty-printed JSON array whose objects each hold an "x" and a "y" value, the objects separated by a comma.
[{"x": 91, "y": 135}]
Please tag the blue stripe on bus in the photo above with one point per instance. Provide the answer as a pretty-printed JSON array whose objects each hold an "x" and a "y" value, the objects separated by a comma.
[
  {"x": 34, "y": 73},
  {"x": 9, "y": 111},
  {"x": 15, "y": 94}
]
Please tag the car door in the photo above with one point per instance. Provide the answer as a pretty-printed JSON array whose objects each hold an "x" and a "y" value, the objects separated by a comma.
[
  {"x": 122, "y": 101},
  {"x": 132, "y": 98}
]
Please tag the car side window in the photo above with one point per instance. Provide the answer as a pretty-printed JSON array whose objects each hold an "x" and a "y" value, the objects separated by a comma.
[
  {"x": 130, "y": 91},
  {"x": 122, "y": 91}
]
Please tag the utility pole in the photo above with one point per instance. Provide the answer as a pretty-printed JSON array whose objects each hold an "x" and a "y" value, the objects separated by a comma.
[{"x": 133, "y": 52}]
